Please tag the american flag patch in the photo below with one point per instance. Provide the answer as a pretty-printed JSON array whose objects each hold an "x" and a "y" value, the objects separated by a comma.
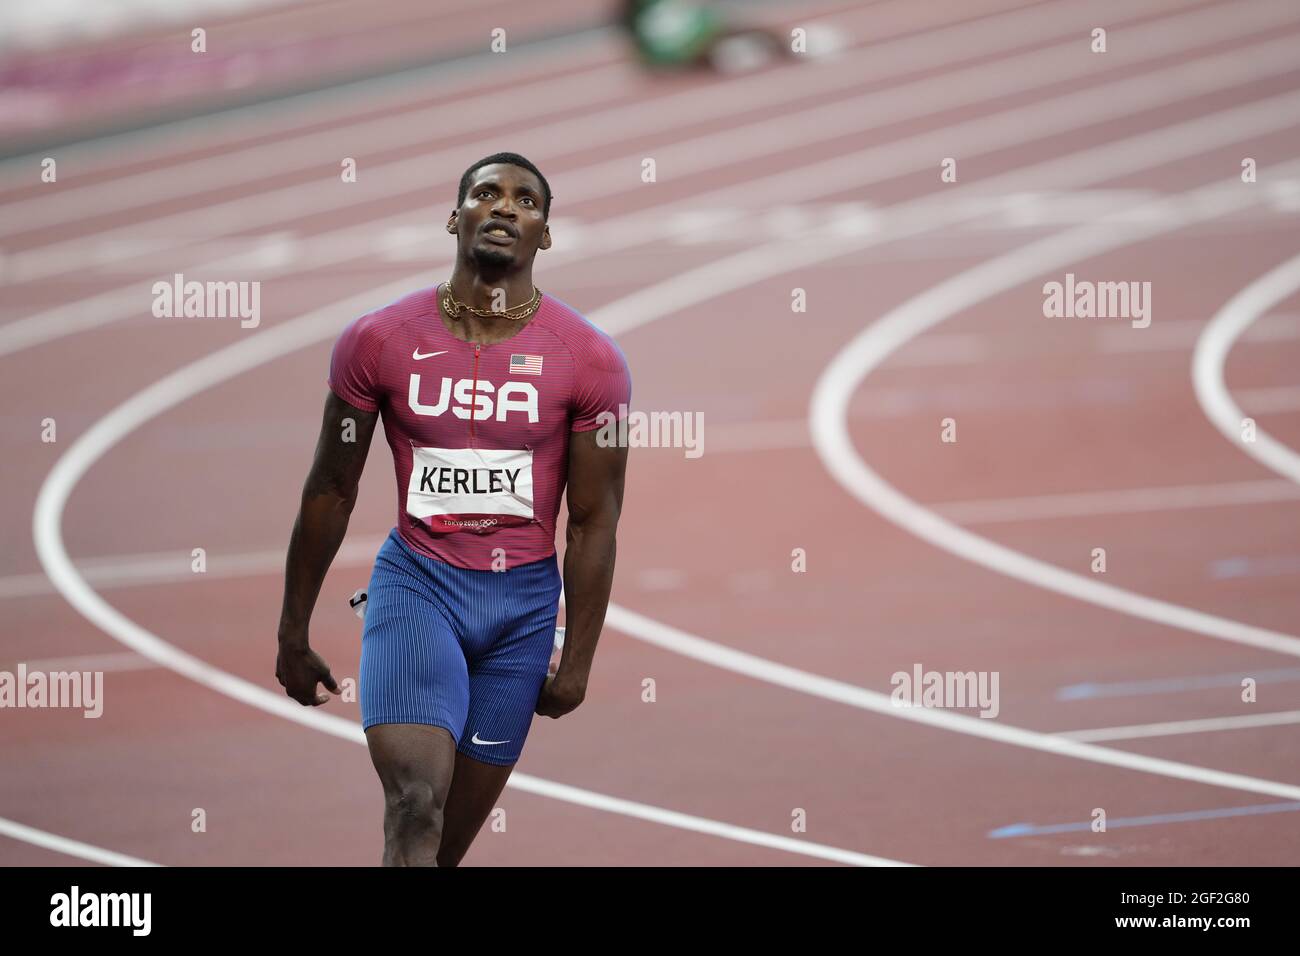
[{"x": 526, "y": 364}]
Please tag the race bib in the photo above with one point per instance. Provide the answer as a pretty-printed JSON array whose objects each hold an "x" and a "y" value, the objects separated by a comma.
[{"x": 470, "y": 489}]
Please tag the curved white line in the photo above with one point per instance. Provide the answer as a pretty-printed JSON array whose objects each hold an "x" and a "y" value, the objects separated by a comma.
[
  {"x": 59, "y": 844},
  {"x": 1171, "y": 728},
  {"x": 829, "y": 422},
  {"x": 1212, "y": 354}
]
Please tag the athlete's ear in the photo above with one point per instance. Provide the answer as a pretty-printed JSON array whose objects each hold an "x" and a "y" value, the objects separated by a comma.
[
  {"x": 546, "y": 236},
  {"x": 451, "y": 223}
]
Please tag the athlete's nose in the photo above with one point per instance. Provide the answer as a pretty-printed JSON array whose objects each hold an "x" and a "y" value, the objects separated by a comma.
[{"x": 504, "y": 208}]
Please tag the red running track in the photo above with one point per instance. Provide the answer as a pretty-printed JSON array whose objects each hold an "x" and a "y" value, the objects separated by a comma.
[{"x": 1045, "y": 407}]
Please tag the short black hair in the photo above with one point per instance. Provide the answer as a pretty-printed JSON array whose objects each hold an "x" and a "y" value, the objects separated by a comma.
[{"x": 513, "y": 159}]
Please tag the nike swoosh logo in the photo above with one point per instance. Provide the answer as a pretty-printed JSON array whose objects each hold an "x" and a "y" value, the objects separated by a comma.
[
  {"x": 417, "y": 356},
  {"x": 486, "y": 743}
]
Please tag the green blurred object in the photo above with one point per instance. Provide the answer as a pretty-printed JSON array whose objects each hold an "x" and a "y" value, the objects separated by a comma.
[{"x": 672, "y": 32}]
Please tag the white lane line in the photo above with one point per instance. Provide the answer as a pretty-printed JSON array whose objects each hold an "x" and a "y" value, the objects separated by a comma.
[
  {"x": 1174, "y": 727},
  {"x": 1119, "y": 501},
  {"x": 1167, "y": 335},
  {"x": 835, "y": 388},
  {"x": 1180, "y": 334},
  {"x": 870, "y": 165},
  {"x": 1174, "y": 685},
  {"x": 1212, "y": 353},
  {"x": 121, "y": 661},
  {"x": 683, "y": 821},
  {"x": 141, "y": 570},
  {"x": 52, "y": 841}
]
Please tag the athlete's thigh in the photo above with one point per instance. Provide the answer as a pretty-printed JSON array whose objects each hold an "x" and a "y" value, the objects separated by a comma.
[
  {"x": 506, "y": 677},
  {"x": 502, "y": 701},
  {"x": 413, "y": 668}
]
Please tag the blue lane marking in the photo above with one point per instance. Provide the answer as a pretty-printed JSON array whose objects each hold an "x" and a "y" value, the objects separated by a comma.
[
  {"x": 1169, "y": 685},
  {"x": 1029, "y": 829},
  {"x": 1243, "y": 567}
]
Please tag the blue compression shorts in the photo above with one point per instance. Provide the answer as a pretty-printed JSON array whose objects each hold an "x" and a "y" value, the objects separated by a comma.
[{"x": 457, "y": 648}]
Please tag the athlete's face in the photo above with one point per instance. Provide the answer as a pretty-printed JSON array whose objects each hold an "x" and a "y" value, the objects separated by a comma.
[{"x": 500, "y": 223}]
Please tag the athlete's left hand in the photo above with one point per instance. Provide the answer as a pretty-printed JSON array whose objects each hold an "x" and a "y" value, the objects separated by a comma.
[{"x": 560, "y": 695}]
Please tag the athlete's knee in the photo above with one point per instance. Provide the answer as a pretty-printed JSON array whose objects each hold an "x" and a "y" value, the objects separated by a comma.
[{"x": 414, "y": 807}]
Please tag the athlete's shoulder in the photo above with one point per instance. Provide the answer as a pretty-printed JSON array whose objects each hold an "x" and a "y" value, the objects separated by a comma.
[
  {"x": 590, "y": 346},
  {"x": 358, "y": 355},
  {"x": 381, "y": 322}
]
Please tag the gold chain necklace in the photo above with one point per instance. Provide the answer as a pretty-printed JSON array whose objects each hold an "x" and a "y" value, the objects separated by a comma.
[{"x": 519, "y": 312}]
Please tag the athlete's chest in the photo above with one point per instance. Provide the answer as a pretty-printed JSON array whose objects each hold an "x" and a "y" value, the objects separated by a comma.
[{"x": 444, "y": 391}]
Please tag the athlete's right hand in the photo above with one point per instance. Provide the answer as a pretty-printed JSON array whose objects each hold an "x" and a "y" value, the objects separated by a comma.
[{"x": 299, "y": 669}]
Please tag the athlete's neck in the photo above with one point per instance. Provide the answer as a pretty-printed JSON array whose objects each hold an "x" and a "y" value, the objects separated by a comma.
[
  {"x": 495, "y": 292},
  {"x": 477, "y": 291}
]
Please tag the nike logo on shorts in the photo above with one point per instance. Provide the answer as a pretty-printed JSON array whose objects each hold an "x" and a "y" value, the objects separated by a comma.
[{"x": 486, "y": 743}]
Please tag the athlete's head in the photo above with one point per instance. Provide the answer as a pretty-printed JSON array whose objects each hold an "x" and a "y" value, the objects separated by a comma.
[{"x": 502, "y": 192}]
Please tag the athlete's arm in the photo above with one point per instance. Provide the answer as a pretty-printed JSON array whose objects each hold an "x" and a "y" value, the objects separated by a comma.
[
  {"x": 595, "y": 500},
  {"x": 327, "y": 499}
]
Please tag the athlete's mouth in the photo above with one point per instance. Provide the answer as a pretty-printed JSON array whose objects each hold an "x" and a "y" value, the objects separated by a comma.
[{"x": 500, "y": 232}]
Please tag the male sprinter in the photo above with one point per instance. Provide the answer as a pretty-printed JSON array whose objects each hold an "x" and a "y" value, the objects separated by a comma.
[{"x": 491, "y": 393}]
